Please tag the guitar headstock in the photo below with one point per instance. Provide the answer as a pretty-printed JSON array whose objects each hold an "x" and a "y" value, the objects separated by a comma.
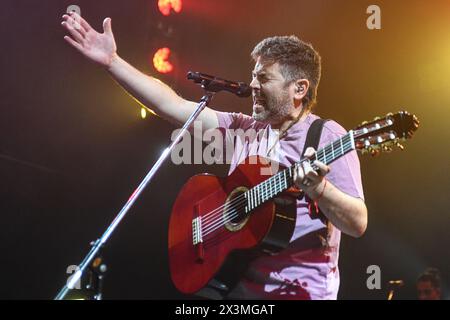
[{"x": 382, "y": 134}]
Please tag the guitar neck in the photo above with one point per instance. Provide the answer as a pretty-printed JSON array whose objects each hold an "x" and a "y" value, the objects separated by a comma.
[{"x": 283, "y": 180}]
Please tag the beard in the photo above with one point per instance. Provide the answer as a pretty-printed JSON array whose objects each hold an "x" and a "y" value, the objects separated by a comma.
[{"x": 275, "y": 108}]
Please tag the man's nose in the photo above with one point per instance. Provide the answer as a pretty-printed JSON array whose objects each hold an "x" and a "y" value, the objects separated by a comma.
[{"x": 254, "y": 84}]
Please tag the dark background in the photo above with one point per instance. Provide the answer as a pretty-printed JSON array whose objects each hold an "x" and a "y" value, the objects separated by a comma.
[{"x": 73, "y": 146}]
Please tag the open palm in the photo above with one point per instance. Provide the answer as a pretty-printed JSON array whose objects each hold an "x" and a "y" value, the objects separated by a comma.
[{"x": 97, "y": 47}]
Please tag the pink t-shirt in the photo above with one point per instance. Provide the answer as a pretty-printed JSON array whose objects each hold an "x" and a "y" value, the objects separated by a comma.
[{"x": 308, "y": 268}]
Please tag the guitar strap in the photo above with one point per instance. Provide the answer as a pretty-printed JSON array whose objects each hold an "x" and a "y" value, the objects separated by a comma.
[
  {"x": 313, "y": 136},
  {"x": 312, "y": 140}
]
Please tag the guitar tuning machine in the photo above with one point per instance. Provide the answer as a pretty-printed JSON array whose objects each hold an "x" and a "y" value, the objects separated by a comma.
[
  {"x": 400, "y": 146},
  {"x": 374, "y": 152}
]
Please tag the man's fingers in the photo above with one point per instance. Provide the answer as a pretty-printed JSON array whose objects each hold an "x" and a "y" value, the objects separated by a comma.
[
  {"x": 73, "y": 32},
  {"x": 73, "y": 43},
  {"x": 323, "y": 168},
  {"x": 307, "y": 169},
  {"x": 298, "y": 174},
  {"x": 74, "y": 24},
  {"x": 309, "y": 152},
  {"x": 107, "y": 26},
  {"x": 86, "y": 26}
]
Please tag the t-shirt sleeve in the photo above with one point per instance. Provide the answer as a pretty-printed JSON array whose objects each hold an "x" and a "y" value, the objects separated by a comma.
[
  {"x": 233, "y": 120},
  {"x": 345, "y": 172}
]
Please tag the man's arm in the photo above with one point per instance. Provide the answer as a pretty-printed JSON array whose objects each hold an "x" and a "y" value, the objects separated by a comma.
[
  {"x": 101, "y": 49},
  {"x": 347, "y": 213}
]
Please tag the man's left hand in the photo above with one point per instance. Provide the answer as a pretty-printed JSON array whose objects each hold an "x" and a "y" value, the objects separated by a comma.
[{"x": 306, "y": 178}]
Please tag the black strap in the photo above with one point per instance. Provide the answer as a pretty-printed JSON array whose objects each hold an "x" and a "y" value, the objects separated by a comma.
[
  {"x": 312, "y": 140},
  {"x": 313, "y": 136}
]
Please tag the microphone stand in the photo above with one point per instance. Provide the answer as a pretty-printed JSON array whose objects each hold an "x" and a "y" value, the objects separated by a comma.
[{"x": 100, "y": 243}]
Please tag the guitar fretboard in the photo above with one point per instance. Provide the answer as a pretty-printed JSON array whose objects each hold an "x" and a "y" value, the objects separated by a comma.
[{"x": 283, "y": 180}]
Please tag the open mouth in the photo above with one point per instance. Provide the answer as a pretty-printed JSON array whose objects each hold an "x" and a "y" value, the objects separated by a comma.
[{"x": 257, "y": 101}]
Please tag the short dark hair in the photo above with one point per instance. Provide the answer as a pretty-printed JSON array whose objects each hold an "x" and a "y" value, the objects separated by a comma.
[
  {"x": 431, "y": 275},
  {"x": 297, "y": 59}
]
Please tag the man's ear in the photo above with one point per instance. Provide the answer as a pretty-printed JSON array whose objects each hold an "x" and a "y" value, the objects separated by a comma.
[{"x": 301, "y": 88}]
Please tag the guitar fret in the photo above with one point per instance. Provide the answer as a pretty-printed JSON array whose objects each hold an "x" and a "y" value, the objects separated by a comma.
[
  {"x": 277, "y": 183},
  {"x": 324, "y": 156},
  {"x": 272, "y": 187},
  {"x": 332, "y": 151},
  {"x": 247, "y": 207},
  {"x": 264, "y": 191},
  {"x": 350, "y": 135},
  {"x": 258, "y": 194}
]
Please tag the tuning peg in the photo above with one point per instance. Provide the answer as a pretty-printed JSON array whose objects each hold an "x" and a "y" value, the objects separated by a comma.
[
  {"x": 374, "y": 152},
  {"x": 363, "y": 123},
  {"x": 376, "y": 118},
  {"x": 400, "y": 146},
  {"x": 387, "y": 149}
]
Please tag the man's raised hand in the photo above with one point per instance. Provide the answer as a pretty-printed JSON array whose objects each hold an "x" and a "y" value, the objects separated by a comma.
[{"x": 98, "y": 47}]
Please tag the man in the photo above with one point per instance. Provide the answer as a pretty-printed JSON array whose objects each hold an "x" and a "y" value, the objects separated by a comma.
[
  {"x": 284, "y": 86},
  {"x": 429, "y": 285}
]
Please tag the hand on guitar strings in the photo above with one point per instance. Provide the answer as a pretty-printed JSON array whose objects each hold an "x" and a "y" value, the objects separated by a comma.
[{"x": 308, "y": 179}]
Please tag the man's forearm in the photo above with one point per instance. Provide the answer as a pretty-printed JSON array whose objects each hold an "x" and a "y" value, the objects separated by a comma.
[
  {"x": 149, "y": 91},
  {"x": 347, "y": 213}
]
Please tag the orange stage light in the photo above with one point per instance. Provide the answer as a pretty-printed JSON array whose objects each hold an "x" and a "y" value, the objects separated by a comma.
[
  {"x": 160, "y": 61},
  {"x": 166, "y": 5}
]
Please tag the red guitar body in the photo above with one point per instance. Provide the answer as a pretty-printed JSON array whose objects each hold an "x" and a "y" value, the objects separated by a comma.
[{"x": 267, "y": 228}]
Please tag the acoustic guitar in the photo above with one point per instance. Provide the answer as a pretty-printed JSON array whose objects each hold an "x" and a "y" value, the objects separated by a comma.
[{"x": 253, "y": 209}]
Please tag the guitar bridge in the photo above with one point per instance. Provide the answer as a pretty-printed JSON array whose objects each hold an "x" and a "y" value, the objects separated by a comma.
[{"x": 197, "y": 231}]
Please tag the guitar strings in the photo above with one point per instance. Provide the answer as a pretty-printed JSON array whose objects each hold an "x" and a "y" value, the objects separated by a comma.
[
  {"x": 207, "y": 228},
  {"x": 236, "y": 206},
  {"x": 324, "y": 151},
  {"x": 212, "y": 213}
]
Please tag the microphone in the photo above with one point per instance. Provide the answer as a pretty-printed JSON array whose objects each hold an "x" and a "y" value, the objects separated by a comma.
[{"x": 214, "y": 84}]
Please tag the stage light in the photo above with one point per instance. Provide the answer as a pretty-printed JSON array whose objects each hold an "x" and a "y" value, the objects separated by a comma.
[
  {"x": 166, "y": 5},
  {"x": 160, "y": 61},
  {"x": 143, "y": 113}
]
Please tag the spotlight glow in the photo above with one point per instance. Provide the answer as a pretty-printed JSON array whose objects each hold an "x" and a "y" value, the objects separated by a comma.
[
  {"x": 166, "y": 5},
  {"x": 143, "y": 113},
  {"x": 160, "y": 61}
]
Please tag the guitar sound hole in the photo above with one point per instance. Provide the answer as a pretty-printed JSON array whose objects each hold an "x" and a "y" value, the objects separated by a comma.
[
  {"x": 238, "y": 214},
  {"x": 234, "y": 213}
]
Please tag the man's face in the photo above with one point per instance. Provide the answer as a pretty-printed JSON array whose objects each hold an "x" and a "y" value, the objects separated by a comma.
[
  {"x": 273, "y": 98},
  {"x": 426, "y": 291}
]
